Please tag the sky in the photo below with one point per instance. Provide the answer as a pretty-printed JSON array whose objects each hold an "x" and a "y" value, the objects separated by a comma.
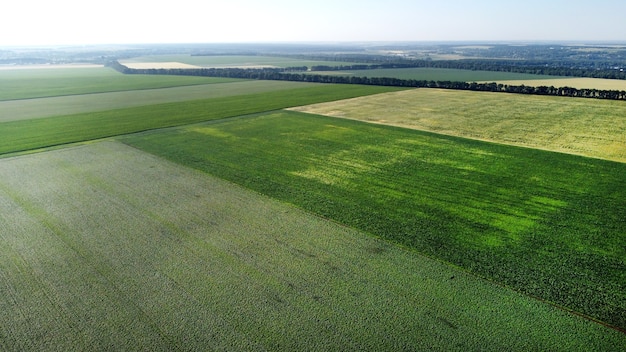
[{"x": 84, "y": 22}]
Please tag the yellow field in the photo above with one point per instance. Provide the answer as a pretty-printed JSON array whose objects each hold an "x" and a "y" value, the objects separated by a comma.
[
  {"x": 589, "y": 127},
  {"x": 579, "y": 83}
]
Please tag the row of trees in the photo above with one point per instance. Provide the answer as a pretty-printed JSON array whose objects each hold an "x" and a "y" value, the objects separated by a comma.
[
  {"x": 565, "y": 66},
  {"x": 293, "y": 74},
  {"x": 538, "y": 68}
]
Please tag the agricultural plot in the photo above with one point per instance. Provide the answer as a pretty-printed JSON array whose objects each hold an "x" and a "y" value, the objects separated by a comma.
[
  {"x": 224, "y": 61},
  {"x": 588, "y": 127},
  {"x": 37, "y": 83},
  {"x": 546, "y": 224},
  {"x": 439, "y": 74},
  {"x": 24, "y": 135},
  {"x": 579, "y": 83},
  {"x": 104, "y": 247},
  {"x": 14, "y": 110}
]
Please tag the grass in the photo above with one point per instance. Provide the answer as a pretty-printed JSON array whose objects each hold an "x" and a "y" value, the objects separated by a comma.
[
  {"x": 234, "y": 60},
  {"x": 594, "y": 128},
  {"x": 23, "y": 135},
  {"x": 75, "y": 104},
  {"x": 103, "y": 247},
  {"x": 37, "y": 83},
  {"x": 438, "y": 74},
  {"x": 546, "y": 224}
]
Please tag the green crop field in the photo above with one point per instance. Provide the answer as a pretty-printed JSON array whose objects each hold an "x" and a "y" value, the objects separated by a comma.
[
  {"x": 233, "y": 60},
  {"x": 37, "y": 83},
  {"x": 438, "y": 74},
  {"x": 546, "y": 224},
  {"x": 595, "y": 128},
  {"x": 104, "y": 247},
  {"x": 23, "y": 135},
  {"x": 13, "y": 110}
]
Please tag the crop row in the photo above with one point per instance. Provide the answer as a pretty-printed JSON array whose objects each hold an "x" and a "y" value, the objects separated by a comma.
[
  {"x": 86, "y": 103},
  {"x": 38, "y": 133}
]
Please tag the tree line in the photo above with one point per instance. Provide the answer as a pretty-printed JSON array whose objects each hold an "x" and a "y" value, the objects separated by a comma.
[
  {"x": 537, "y": 68},
  {"x": 295, "y": 74},
  {"x": 563, "y": 67}
]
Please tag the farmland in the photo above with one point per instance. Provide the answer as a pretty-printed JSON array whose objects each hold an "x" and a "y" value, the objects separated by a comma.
[
  {"x": 106, "y": 247},
  {"x": 22, "y": 135},
  {"x": 298, "y": 231},
  {"x": 13, "y": 110},
  {"x": 539, "y": 222},
  {"x": 37, "y": 83},
  {"x": 439, "y": 74},
  {"x": 231, "y": 61},
  {"x": 575, "y": 126}
]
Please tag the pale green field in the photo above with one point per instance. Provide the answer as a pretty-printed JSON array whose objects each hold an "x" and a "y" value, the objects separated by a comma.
[
  {"x": 589, "y": 127},
  {"x": 232, "y": 61},
  {"x": 104, "y": 247},
  {"x": 36, "y": 83},
  {"x": 579, "y": 83},
  {"x": 13, "y": 110}
]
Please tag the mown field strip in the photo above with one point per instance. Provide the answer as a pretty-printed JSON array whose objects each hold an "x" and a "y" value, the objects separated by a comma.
[
  {"x": 14, "y": 110},
  {"x": 547, "y": 224},
  {"x": 23, "y": 135},
  {"x": 105, "y": 247},
  {"x": 588, "y": 127},
  {"x": 37, "y": 83}
]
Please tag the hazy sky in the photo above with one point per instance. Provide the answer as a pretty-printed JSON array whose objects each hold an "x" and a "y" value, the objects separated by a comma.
[{"x": 37, "y": 22}]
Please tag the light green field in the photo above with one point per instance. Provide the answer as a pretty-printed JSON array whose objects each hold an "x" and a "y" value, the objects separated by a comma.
[
  {"x": 579, "y": 83},
  {"x": 13, "y": 110},
  {"x": 37, "y": 83},
  {"x": 27, "y": 135},
  {"x": 588, "y": 127},
  {"x": 233, "y": 61},
  {"x": 104, "y": 247}
]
